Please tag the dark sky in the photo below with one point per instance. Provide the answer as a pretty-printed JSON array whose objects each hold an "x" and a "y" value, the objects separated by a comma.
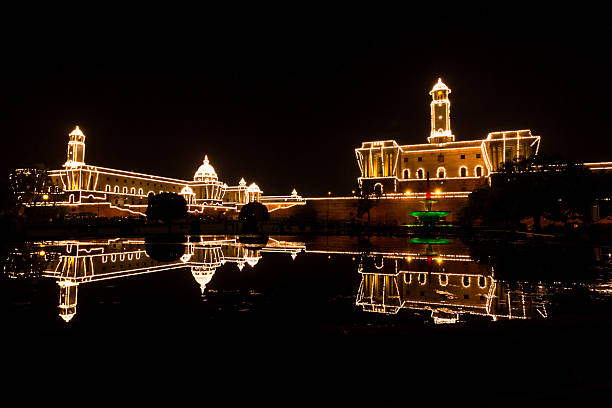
[{"x": 284, "y": 101}]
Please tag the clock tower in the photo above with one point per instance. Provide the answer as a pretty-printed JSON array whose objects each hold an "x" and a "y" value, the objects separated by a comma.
[
  {"x": 440, "y": 114},
  {"x": 76, "y": 148}
]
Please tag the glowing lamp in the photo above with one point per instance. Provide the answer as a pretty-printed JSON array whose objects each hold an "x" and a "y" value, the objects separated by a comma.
[
  {"x": 438, "y": 191},
  {"x": 41, "y": 253},
  {"x": 45, "y": 196}
]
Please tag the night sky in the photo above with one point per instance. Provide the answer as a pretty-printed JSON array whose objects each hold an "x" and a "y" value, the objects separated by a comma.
[{"x": 284, "y": 102}]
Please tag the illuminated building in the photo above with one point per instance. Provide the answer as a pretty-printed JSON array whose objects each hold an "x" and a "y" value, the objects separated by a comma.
[
  {"x": 448, "y": 286},
  {"x": 112, "y": 192},
  {"x": 453, "y": 166},
  {"x": 72, "y": 263}
]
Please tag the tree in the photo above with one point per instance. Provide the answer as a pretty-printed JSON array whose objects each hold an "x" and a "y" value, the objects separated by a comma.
[
  {"x": 32, "y": 185},
  {"x": 533, "y": 188},
  {"x": 166, "y": 207},
  {"x": 251, "y": 215},
  {"x": 364, "y": 204}
]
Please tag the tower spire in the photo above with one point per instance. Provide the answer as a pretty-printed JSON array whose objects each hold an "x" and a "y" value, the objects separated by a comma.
[
  {"x": 440, "y": 114},
  {"x": 76, "y": 148}
]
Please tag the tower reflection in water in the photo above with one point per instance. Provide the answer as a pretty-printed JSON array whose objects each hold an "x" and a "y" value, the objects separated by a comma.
[
  {"x": 438, "y": 277},
  {"x": 450, "y": 286},
  {"x": 73, "y": 263}
]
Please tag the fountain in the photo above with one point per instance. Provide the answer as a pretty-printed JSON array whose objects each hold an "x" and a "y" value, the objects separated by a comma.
[{"x": 429, "y": 218}]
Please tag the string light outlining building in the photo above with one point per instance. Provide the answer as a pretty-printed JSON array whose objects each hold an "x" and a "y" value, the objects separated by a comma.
[
  {"x": 116, "y": 192},
  {"x": 388, "y": 167}
]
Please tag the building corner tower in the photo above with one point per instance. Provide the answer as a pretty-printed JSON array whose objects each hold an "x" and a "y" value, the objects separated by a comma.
[
  {"x": 440, "y": 114},
  {"x": 76, "y": 148}
]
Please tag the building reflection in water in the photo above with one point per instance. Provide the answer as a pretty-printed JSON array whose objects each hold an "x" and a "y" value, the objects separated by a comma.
[
  {"x": 73, "y": 263},
  {"x": 448, "y": 284},
  {"x": 438, "y": 277}
]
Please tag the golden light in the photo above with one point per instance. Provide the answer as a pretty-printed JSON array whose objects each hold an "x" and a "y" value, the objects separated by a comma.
[
  {"x": 45, "y": 196},
  {"x": 439, "y": 260},
  {"x": 409, "y": 258},
  {"x": 408, "y": 192},
  {"x": 41, "y": 253},
  {"x": 438, "y": 191}
]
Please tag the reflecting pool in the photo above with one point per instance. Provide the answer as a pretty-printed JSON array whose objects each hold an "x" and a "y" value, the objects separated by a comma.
[
  {"x": 329, "y": 282},
  {"x": 528, "y": 316}
]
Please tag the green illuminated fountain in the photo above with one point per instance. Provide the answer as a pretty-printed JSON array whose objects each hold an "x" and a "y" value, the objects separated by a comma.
[{"x": 429, "y": 218}]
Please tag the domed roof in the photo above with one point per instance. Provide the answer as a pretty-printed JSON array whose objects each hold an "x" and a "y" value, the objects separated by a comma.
[
  {"x": 206, "y": 171},
  {"x": 187, "y": 191},
  {"x": 440, "y": 86},
  {"x": 253, "y": 188},
  {"x": 76, "y": 132}
]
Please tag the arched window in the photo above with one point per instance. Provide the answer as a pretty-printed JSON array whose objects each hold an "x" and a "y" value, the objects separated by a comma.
[
  {"x": 482, "y": 281},
  {"x": 443, "y": 279},
  {"x": 107, "y": 188},
  {"x": 441, "y": 172},
  {"x": 379, "y": 262},
  {"x": 140, "y": 191},
  {"x": 422, "y": 278},
  {"x": 116, "y": 189},
  {"x": 479, "y": 172},
  {"x": 124, "y": 190},
  {"x": 420, "y": 173},
  {"x": 378, "y": 189},
  {"x": 466, "y": 281},
  {"x": 463, "y": 171},
  {"x": 133, "y": 190},
  {"x": 406, "y": 173}
]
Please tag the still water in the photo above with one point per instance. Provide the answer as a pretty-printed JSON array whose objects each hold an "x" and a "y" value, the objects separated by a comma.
[
  {"x": 327, "y": 284},
  {"x": 376, "y": 318}
]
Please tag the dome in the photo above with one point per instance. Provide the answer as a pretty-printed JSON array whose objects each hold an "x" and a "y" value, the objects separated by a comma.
[
  {"x": 187, "y": 191},
  {"x": 253, "y": 188},
  {"x": 206, "y": 171},
  {"x": 439, "y": 86},
  {"x": 76, "y": 132}
]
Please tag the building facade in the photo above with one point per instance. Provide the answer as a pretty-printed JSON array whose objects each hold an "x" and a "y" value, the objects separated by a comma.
[
  {"x": 452, "y": 166},
  {"x": 113, "y": 192}
]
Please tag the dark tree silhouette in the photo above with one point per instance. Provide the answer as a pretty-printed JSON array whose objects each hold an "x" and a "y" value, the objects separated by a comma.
[
  {"x": 532, "y": 188},
  {"x": 163, "y": 249},
  {"x": 364, "y": 204},
  {"x": 31, "y": 185},
  {"x": 166, "y": 207},
  {"x": 252, "y": 215}
]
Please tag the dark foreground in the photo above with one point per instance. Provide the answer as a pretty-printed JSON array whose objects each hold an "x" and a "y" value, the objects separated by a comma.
[{"x": 285, "y": 332}]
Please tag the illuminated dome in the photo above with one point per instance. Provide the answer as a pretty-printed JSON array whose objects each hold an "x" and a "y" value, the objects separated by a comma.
[
  {"x": 205, "y": 172},
  {"x": 439, "y": 86},
  {"x": 253, "y": 188},
  {"x": 203, "y": 275},
  {"x": 187, "y": 191},
  {"x": 76, "y": 132}
]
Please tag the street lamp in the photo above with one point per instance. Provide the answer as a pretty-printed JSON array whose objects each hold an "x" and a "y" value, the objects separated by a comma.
[{"x": 327, "y": 216}]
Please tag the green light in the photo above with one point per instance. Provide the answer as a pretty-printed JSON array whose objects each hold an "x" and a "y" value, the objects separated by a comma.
[
  {"x": 429, "y": 241},
  {"x": 430, "y": 214}
]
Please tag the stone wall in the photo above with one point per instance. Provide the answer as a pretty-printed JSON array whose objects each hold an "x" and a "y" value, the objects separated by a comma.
[{"x": 386, "y": 211}]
